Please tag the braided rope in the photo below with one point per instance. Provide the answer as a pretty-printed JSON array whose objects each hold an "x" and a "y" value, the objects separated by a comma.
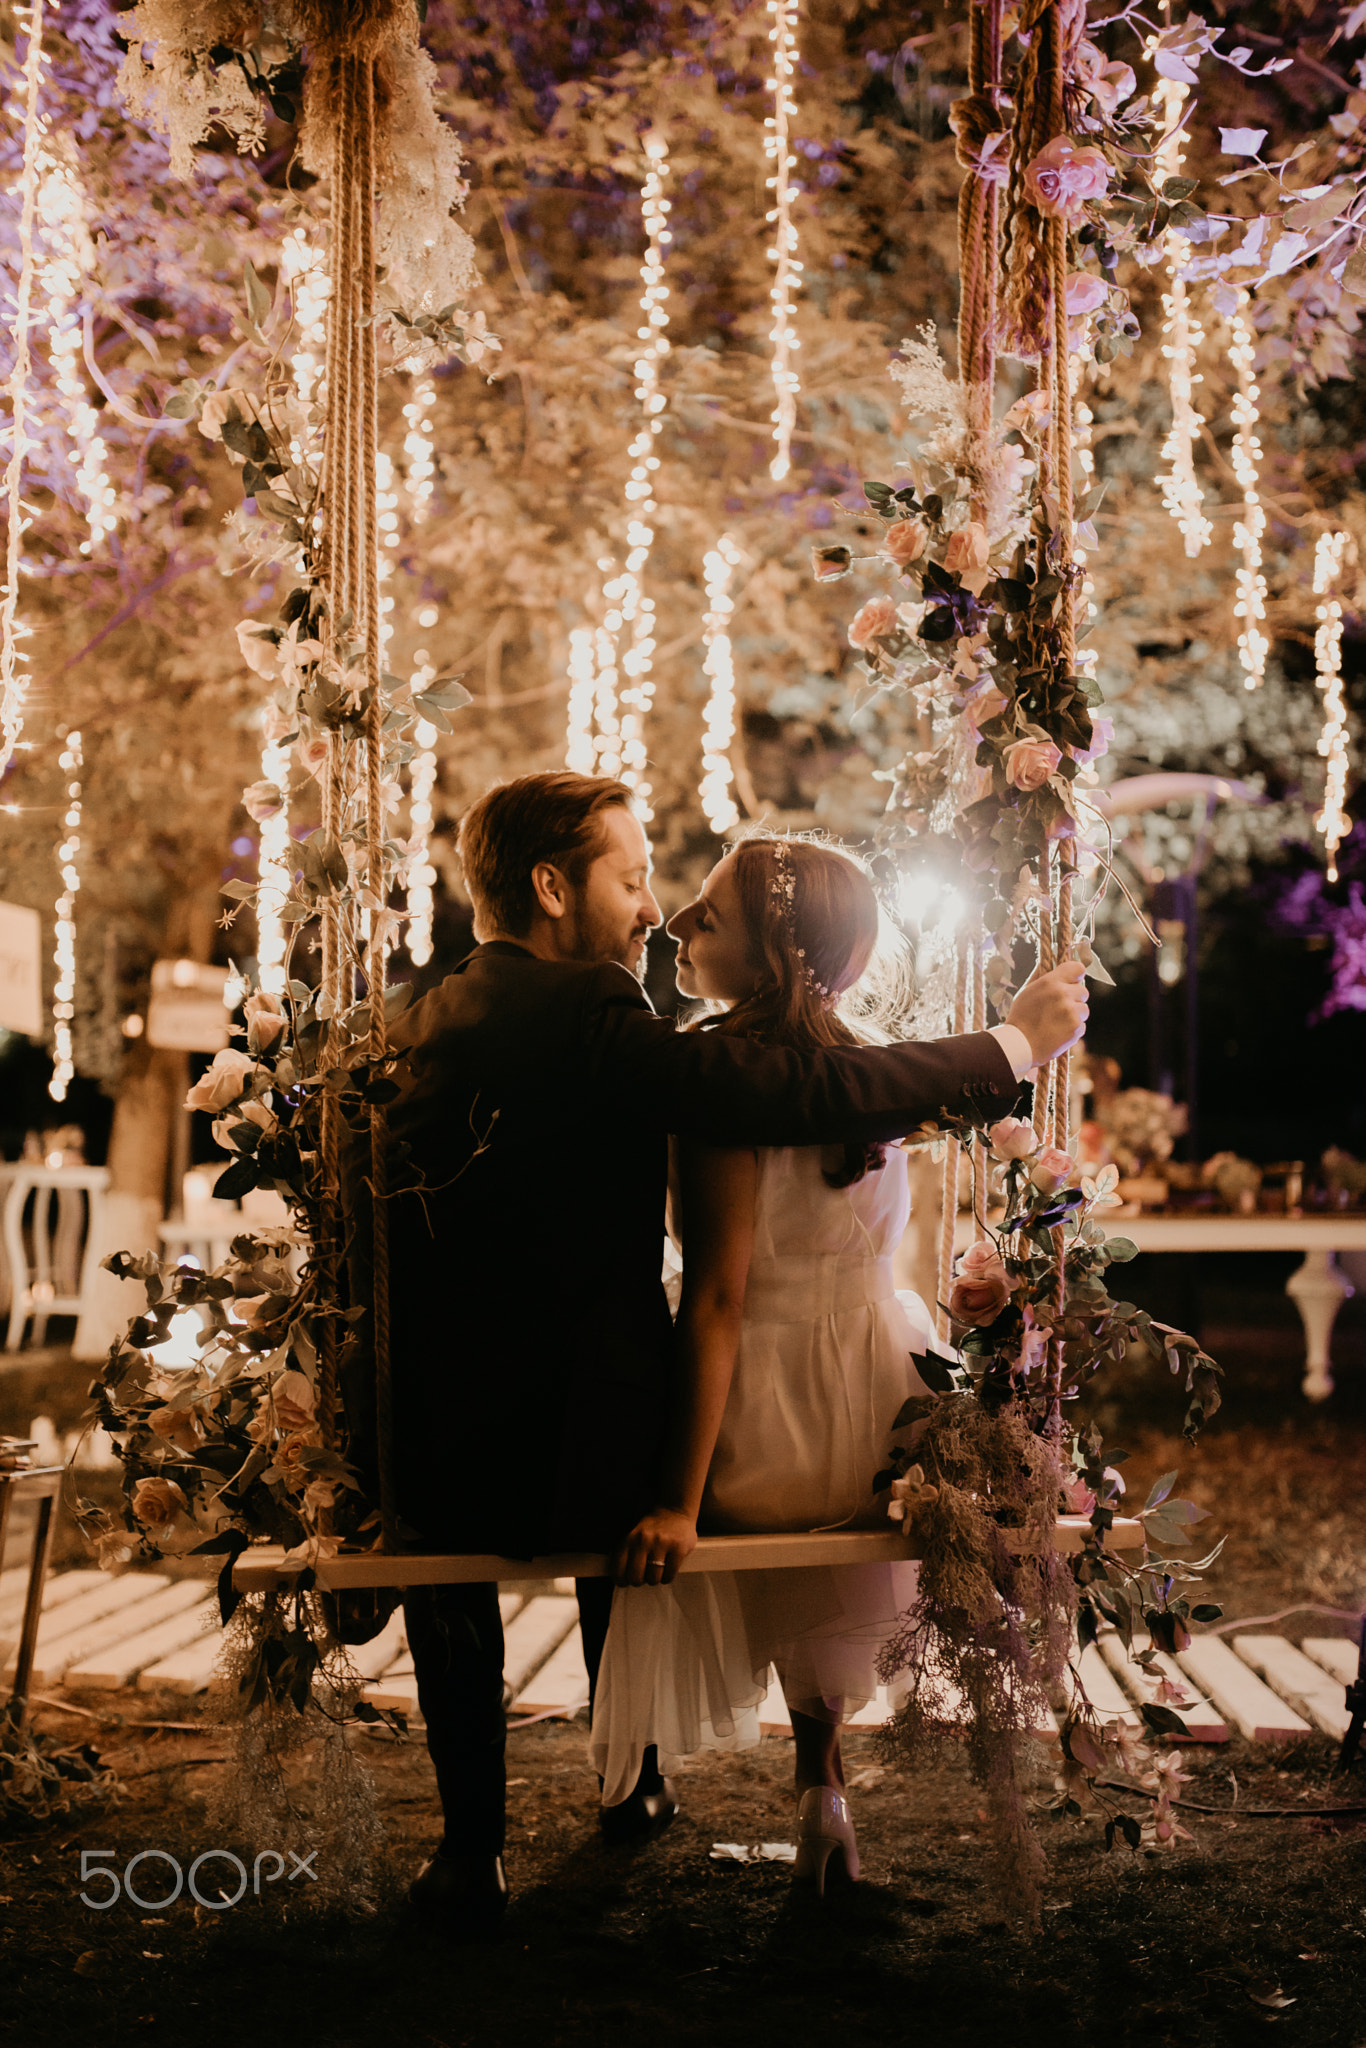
[
  {"x": 374, "y": 820},
  {"x": 948, "y": 1217}
]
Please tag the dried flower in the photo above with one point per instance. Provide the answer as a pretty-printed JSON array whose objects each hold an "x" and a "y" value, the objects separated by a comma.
[
  {"x": 178, "y": 1426},
  {"x": 157, "y": 1503},
  {"x": 828, "y": 564},
  {"x": 262, "y": 800}
]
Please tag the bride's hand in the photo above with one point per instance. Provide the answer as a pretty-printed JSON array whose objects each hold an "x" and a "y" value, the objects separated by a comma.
[{"x": 655, "y": 1548}]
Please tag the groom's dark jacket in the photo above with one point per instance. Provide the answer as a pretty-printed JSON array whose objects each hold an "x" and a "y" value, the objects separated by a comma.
[{"x": 531, "y": 1340}]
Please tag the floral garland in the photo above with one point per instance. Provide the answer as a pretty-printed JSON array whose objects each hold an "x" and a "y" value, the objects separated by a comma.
[
  {"x": 250, "y": 1441},
  {"x": 979, "y": 535}
]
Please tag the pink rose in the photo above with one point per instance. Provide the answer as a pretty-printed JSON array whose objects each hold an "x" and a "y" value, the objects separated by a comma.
[
  {"x": 257, "y": 652},
  {"x": 873, "y": 621},
  {"x": 967, "y": 549},
  {"x": 225, "y": 1081},
  {"x": 1063, "y": 177},
  {"x": 295, "y": 1401},
  {"x": 176, "y": 1426},
  {"x": 1013, "y": 1138},
  {"x": 1052, "y": 1166},
  {"x": 1029, "y": 763},
  {"x": 158, "y": 1503},
  {"x": 265, "y": 1020},
  {"x": 262, "y": 800},
  {"x": 1107, "y": 83},
  {"x": 982, "y": 1261},
  {"x": 905, "y": 541},
  {"x": 978, "y": 1302},
  {"x": 312, "y": 754},
  {"x": 985, "y": 706},
  {"x": 278, "y": 725},
  {"x": 1085, "y": 292}
]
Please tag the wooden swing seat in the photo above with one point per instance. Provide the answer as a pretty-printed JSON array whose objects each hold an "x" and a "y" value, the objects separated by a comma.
[{"x": 261, "y": 1569}]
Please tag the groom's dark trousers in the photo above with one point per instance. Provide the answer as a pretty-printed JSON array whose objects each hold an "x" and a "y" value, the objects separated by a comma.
[{"x": 531, "y": 1340}]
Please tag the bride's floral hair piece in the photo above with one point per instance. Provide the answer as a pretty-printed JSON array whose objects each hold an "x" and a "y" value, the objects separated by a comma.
[{"x": 783, "y": 888}]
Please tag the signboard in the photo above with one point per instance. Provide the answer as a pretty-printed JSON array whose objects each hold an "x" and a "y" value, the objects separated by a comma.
[
  {"x": 187, "y": 1012},
  {"x": 21, "y": 970}
]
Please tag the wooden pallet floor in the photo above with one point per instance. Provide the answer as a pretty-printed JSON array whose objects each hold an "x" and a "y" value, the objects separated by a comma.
[{"x": 144, "y": 1631}]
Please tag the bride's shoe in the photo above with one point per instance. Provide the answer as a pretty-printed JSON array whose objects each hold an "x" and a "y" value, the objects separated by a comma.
[{"x": 824, "y": 1829}]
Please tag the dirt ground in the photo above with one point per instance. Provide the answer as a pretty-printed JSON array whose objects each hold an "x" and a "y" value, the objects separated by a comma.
[{"x": 1255, "y": 1924}]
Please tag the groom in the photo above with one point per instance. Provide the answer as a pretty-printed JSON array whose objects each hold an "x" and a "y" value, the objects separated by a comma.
[{"x": 530, "y": 1335}]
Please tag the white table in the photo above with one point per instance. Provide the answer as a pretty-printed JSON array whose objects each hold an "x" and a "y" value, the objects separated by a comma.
[{"x": 1317, "y": 1288}]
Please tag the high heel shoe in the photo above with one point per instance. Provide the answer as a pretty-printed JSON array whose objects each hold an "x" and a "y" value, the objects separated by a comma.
[{"x": 824, "y": 1829}]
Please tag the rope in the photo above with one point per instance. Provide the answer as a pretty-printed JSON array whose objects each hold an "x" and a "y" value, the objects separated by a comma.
[
  {"x": 979, "y": 1023},
  {"x": 948, "y": 1216},
  {"x": 11, "y": 682},
  {"x": 374, "y": 823}
]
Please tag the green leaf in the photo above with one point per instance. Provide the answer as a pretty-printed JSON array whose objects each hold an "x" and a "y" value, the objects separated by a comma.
[
  {"x": 1160, "y": 1489},
  {"x": 1179, "y": 188},
  {"x": 936, "y": 1373},
  {"x": 178, "y": 407},
  {"x": 1119, "y": 1250},
  {"x": 1208, "y": 1610},
  {"x": 258, "y": 297},
  {"x": 240, "y": 892},
  {"x": 397, "y": 997},
  {"x": 1161, "y": 1720}
]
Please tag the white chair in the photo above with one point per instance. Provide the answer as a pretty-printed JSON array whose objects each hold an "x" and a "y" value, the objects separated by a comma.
[{"x": 49, "y": 1221}]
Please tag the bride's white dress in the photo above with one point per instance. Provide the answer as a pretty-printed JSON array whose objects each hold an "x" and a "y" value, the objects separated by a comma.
[{"x": 822, "y": 1368}]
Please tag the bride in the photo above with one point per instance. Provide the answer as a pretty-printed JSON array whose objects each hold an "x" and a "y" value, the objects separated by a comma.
[{"x": 794, "y": 1358}]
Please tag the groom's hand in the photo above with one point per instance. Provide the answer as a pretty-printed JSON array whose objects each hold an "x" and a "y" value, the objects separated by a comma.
[
  {"x": 1051, "y": 1010},
  {"x": 655, "y": 1548}
]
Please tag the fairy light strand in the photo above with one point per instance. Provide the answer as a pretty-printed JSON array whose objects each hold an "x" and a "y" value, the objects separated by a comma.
[
  {"x": 1181, "y": 492},
  {"x": 419, "y": 476},
  {"x": 275, "y": 868},
  {"x": 12, "y": 679},
  {"x": 61, "y": 213},
  {"x": 1245, "y": 455},
  {"x": 624, "y": 681},
  {"x": 787, "y": 270},
  {"x": 1330, "y": 553},
  {"x": 719, "y": 722},
  {"x": 578, "y": 752},
  {"x": 64, "y": 925}
]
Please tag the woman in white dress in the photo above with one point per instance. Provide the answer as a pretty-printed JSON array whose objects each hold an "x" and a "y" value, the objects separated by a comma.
[{"x": 795, "y": 1357}]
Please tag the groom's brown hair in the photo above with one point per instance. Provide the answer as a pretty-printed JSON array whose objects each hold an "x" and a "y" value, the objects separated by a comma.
[{"x": 516, "y": 825}]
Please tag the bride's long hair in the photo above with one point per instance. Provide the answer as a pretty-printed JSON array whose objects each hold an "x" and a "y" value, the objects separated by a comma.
[{"x": 833, "y": 968}]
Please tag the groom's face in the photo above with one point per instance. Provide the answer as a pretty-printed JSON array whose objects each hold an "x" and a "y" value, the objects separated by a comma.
[{"x": 611, "y": 915}]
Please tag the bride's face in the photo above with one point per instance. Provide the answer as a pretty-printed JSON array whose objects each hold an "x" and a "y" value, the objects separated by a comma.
[{"x": 714, "y": 958}]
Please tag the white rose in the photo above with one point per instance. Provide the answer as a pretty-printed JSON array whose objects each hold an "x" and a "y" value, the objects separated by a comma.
[{"x": 225, "y": 1081}]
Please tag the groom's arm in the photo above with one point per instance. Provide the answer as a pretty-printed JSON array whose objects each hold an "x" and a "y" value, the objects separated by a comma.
[{"x": 734, "y": 1092}]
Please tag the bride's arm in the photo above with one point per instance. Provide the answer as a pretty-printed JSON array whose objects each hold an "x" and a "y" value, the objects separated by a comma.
[{"x": 716, "y": 1211}]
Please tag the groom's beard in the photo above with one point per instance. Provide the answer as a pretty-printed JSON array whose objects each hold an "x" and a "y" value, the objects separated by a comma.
[{"x": 600, "y": 939}]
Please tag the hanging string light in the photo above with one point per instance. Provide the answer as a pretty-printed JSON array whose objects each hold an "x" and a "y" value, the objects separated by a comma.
[
  {"x": 578, "y": 750},
  {"x": 64, "y": 932},
  {"x": 620, "y": 712},
  {"x": 1181, "y": 492},
  {"x": 61, "y": 212},
  {"x": 419, "y": 448},
  {"x": 310, "y": 290},
  {"x": 1330, "y": 553},
  {"x": 1080, "y": 363},
  {"x": 783, "y": 254},
  {"x": 275, "y": 868},
  {"x": 719, "y": 726},
  {"x": 421, "y": 873},
  {"x": 12, "y": 681},
  {"x": 1247, "y": 533},
  {"x": 419, "y": 476}
]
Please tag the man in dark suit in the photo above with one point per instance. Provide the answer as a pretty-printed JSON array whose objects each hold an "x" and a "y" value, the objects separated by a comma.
[{"x": 529, "y": 1329}]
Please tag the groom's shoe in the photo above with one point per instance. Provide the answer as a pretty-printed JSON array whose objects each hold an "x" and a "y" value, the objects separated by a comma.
[
  {"x": 640, "y": 1817},
  {"x": 466, "y": 1891}
]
